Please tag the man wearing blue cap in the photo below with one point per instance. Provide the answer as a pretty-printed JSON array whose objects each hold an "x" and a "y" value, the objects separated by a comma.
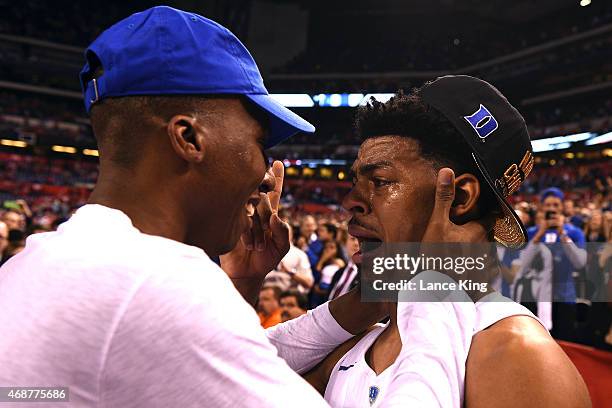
[
  {"x": 569, "y": 255},
  {"x": 122, "y": 304}
]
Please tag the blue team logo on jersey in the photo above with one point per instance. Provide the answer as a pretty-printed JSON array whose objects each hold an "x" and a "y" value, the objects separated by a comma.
[
  {"x": 373, "y": 394},
  {"x": 482, "y": 121}
]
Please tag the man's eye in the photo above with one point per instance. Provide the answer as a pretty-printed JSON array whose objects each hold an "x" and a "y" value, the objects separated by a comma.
[{"x": 380, "y": 182}]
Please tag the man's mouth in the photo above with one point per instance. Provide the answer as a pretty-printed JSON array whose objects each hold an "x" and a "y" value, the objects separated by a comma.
[{"x": 368, "y": 240}]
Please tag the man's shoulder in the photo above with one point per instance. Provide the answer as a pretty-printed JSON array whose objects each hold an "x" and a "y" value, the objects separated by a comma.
[{"x": 516, "y": 362}]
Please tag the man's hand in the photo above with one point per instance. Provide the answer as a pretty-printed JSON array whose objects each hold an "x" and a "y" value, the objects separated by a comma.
[
  {"x": 263, "y": 245},
  {"x": 443, "y": 238},
  {"x": 441, "y": 228}
]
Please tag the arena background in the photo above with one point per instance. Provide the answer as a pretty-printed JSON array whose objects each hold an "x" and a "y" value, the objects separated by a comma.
[{"x": 551, "y": 58}]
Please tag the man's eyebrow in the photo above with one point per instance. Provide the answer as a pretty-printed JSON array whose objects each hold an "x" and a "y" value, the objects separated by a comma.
[{"x": 370, "y": 167}]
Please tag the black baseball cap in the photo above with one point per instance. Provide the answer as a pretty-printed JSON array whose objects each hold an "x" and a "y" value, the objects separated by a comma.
[{"x": 498, "y": 137}]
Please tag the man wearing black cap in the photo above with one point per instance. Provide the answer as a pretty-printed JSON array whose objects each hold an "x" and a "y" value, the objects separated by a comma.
[{"x": 436, "y": 165}]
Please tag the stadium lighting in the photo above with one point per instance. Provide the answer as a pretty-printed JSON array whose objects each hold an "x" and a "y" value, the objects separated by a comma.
[
  {"x": 64, "y": 149},
  {"x": 585, "y": 3},
  {"x": 294, "y": 100},
  {"x": 559, "y": 142},
  {"x": 605, "y": 138},
  {"x": 91, "y": 152},
  {"x": 13, "y": 143}
]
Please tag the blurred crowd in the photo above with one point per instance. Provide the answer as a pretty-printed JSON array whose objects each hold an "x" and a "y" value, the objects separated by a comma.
[{"x": 319, "y": 266}]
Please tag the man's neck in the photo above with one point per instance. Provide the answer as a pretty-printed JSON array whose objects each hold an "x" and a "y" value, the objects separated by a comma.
[{"x": 146, "y": 207}]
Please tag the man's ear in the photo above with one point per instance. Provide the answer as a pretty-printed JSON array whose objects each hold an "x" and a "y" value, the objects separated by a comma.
[
  {"x": 467, "y": 192},
  {"x": 187, "y": 138}
]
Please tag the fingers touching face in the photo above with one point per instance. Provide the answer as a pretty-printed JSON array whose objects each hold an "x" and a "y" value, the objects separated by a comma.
[{"x": 394, "y": 190}]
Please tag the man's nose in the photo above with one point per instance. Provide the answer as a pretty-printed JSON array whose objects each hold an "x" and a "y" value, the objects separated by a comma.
[
  {"x": 354, "y": 202},
  {"x": 268, "y": 183}
]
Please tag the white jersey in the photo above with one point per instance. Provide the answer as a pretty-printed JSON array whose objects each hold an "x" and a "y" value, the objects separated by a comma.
[
  {"x": 353, "y": 383},
  {"x": 126, "y": 319}
]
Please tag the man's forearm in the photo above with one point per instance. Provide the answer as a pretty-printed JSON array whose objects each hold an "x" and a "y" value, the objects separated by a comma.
[{"x": 577, "y": 256}]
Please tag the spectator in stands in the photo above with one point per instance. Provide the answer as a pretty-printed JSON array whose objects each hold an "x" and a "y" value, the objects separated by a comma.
[
  {"x": 571, "y": 213},
  {"x": 14, "y": 219},
  {"x": 594, "y": 230},
  {"x": 569, "y": 257},
  {"x": 327, "y": 232},
  {"x": 308, "y": 229},
  {"x": 293, "y": 304},
  {"x": 293, "y": 272},
  {"x": 348, "y": 277},
  {"x": 310, "y": 242},
  {"x": 331, "y": 261},
  {"x": 268, "y": 307},
  {"x": 4, "y": 240}
]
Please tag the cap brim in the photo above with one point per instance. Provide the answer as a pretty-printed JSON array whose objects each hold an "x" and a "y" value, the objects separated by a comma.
[
  {"x": 508, "y": 230},
  {"x": 283, "y": 122}
]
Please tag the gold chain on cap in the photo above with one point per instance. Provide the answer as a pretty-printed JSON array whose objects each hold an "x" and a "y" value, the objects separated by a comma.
[{"x": 515, "y": 175}]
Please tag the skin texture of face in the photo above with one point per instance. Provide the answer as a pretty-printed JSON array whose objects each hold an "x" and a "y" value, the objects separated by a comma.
[
  {"x": 393, "y": 193},
  {"x": 267, "y": 303},
  {"x": 227, "y": 180},
  {"x": 290, "y": 308}
]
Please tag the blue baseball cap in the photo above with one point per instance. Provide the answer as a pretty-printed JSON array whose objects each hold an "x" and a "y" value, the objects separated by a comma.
[
  {"x": 165, "y": 51},
  {"x": 552, "y": 191}
]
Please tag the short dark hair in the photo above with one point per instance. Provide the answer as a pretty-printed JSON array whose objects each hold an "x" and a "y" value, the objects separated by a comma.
[
  {"x": 117, "y": 121},
  {"x": 332, "y": 229},
  {"x": 301, "y": 299},
  {"x": 119, "y": 124},
  {"x": 408, "y": 115}
]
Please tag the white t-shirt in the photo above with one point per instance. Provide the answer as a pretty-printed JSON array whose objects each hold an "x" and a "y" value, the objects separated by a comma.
[
  {"x": 297, "y": 261},
  {"x": 126, "y": 319}
]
